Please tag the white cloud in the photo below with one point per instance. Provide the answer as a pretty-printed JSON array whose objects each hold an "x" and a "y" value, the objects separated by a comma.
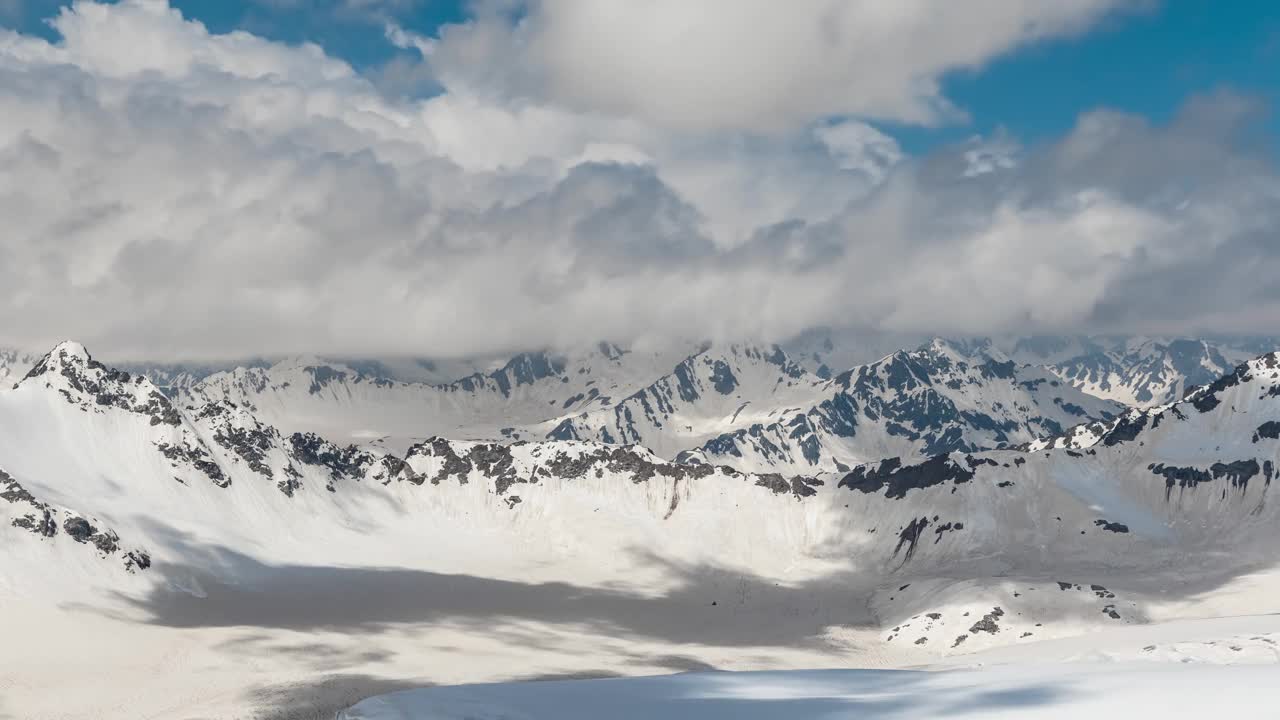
[
  {"x": 747, "y": 64},
  {"x": 170, "y": 191},
  {"x": 858, "y": 146}
]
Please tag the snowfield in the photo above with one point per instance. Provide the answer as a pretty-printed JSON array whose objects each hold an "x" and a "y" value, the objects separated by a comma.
[
  {"x": 1036, "y": 693},
  {"x": 193, "y": 560}
]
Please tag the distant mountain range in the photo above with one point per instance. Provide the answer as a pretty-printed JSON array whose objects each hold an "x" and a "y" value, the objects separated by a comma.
[
  {"x": 766, "y": 408},
  {"x": 114, "y": 484}
]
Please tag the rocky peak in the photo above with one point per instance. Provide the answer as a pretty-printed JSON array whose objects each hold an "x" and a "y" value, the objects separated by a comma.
[
  {"x": 67, "y": 358},
  {"x": 70, "y": 370}
]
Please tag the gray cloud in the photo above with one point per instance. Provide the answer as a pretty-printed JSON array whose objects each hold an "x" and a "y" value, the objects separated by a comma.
[{"x": 220, "y": 196}]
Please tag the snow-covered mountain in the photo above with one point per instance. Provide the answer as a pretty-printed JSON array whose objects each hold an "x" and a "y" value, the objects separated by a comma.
[
  {"x": 204, "y": 520},
  {"x": 74, "y": 432},
  {"x": 98, "y": 459},
  {"x": 744, "y": 405},
  {"x": 709, "y": 393},
  {"x": 827, "y": 352},
  {"x": 945, "y": 396},
  {"x": 1133, "y": 370},
  {"x": 346, "y": 404},
  {"x": 1139, "y": 372}
]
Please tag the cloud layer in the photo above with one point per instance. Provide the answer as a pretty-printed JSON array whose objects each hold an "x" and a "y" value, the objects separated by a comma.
[
  {"x": 756, "y": 64},
  {"x": 168, "y": 192}
]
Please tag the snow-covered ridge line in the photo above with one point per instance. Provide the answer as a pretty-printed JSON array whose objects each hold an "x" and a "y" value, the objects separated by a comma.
[
  {"x": 21, "y": 510},
  {"x": 1200, "y": 399},
  {"x": 939, "y": 398},
  {"x": 126, "y": 423},
  {"x": 221, "y": 492}
]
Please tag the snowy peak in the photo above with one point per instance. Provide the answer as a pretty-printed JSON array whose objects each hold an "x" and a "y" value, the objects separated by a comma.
[
  {"x": 1252, "y": 389},
  {"x": 974, "y": 350},
  {"x": 1220, "y": 437},
  {"x": 939, "y": 398},
  {"x": 1141, "y": 372},
  {"x": 72, "y": 372},
  {"x": 523, "y": 369},
  {"x": 66, "y": 358},
  {"x": 706, "y": 394}
]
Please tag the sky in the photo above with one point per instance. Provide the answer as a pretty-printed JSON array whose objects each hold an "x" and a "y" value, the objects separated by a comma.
[{"x": 228, "y": 178}]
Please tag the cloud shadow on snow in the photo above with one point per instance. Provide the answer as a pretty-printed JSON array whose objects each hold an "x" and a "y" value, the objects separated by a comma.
[
  {"x": 707, "y": 606},
  {"x": 704, "y": 605}
]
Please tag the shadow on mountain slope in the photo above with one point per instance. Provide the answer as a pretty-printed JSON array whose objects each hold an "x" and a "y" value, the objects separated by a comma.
[{"x": 700, "y": 605}]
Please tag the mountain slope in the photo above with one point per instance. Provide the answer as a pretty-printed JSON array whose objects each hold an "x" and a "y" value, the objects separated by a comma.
[
  {"x": 1139, "y": 372},
  {"x": 938, "y": 398},
  {"x": 705, "y": 395},
  {"x": 344, "y": 404},
  {"x": 962, "y": 550}
]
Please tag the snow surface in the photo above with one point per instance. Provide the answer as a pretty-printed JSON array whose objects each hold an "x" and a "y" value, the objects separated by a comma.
[
  {"x": 276, "y": 578},
  {"x": 1044, "y": 692}
]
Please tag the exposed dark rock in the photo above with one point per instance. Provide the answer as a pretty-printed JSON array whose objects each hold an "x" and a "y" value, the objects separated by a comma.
[
  {"x": 977, "y": 462},
  {"x": 79, "y": 528},
  {"x": 722, "y": 378},
  {"x": 910, "y": 536},
  {"x": 288, "y": 486},
  {"x": 988, "y": 623},
  {"x": 198, "y": 458},
  {"x": 800, "y": 487},
  {"x": 342, "y": 462},
  {"x": 1207, "y": 399},
  {"x": 1269, "y": 430},
  {"x": 251, "y": 445},
  {"x": 96, "y": 385},
  {"x": 1126, "y": 429},
  {"x": 1112, "y": 526},
  {"x": 1238, "y": 473},
  {"x": 896, "y": 479},
  {"x": 946, "y": 528},
  {"x": 107, "y": 542},
  {"x": 43, "y": 524},
  {"x": 11, "y": 491},
  {"x": 322, "y": 376},
  {"x": 136, "y": 559}
]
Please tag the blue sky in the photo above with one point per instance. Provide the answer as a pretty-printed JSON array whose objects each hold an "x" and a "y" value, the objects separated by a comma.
[{"x": 1146, "y": 61}]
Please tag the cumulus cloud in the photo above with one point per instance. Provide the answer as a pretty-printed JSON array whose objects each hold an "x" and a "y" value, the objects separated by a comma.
[
  {"x": 756, "y": 64},
  {"x": 169, "y": 192}
]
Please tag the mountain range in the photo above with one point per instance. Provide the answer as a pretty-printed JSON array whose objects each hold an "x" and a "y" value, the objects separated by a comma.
[{"x": 933, "y": 502}]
